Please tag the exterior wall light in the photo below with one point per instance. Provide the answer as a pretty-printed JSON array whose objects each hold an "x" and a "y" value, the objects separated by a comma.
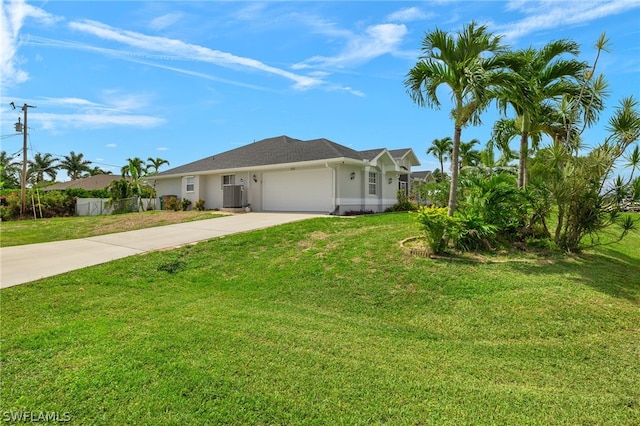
[
  {"x": 255, "y": 178},
  {"x": 390, "y": 181},
  {"x": 353, "y": 175}
]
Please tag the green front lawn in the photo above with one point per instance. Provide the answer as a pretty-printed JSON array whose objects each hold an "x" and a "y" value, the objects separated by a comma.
[
  {"x": 328, "y": 321},
  {"x": 29, "y": 231}
]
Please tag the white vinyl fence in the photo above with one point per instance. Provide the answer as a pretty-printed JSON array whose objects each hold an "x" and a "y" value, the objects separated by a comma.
[{"x": 102, "y": 206}]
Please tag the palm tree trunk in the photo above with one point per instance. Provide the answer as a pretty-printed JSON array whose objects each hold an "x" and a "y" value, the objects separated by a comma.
[
  {"x": 522, "y": 164},
  {"x": 455, "y": 153}
]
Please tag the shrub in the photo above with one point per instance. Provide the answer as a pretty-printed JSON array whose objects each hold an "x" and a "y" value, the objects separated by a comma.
[
  {"x": 438, "y": 227},
  {"x": 10, "y": 206},
  {"x": 403, "y": 204},
  {"x": 86, "y": 193},
  {"x": 171, "y": 203},
  {"x": 55, "y": 204},
  {"x": 433, "y": 193},
  {"x": 184, "y": 204},
  {"x": 47, "y": 204},
  {"x": 200, "y": 205},
  {"x": 473, "y": 233}
]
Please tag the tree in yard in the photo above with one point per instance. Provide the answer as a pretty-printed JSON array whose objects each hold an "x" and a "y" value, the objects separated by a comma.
[
  {"x": 75, "y": 165},
  {"x": 98, "y": 171},
  {"x": 578, "y": 183},
  {"x": 135, "y": 166},
  {"x": 469, "y": 157},
  {"x": 469, "y": 64},
  {"x": 43, "y": 165},
  {"x": 441, "y": 149},
  {"x": 9, "y": 171},
  {"x": 538, "y": 78},
  {"x": 136, "y": 170},
  {"x": 154, "y": 164}
]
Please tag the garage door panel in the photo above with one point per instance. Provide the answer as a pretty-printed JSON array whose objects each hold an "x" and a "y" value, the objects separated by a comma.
[{"x": 298, "y": 190}]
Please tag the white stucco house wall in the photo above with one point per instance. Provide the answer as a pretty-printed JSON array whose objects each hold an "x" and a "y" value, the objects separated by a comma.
[{"x": 290, "y": 175}]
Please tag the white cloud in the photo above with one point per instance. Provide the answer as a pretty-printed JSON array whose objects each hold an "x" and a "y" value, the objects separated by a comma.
[
  {"x": 118, "y": 111},
  {"x": 250, "y": 12},
  {"x": 165, "y": 21},
  {"x": 408, "y": 14},
  {"x": 12, "y": 16},
  {"x": 177, "y": 49},
  {"x": 321, "y": 26},
  {"x": 162, "y": 148},
  {"x": 95, "y": 120},
  {"x": 550, "y": 14},
  {"x": 377, "y": 40},
  {"x": 111, "y": 145},
  {"x": 68, "y": 102}
]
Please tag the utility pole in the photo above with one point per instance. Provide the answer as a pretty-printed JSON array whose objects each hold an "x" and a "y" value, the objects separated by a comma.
[{"x": 23, "y": 180}]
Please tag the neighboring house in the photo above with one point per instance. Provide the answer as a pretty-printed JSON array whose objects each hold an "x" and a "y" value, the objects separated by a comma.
[
  {"x": 88, "y": 183},
  {"x": 286, "y": 174},
  {"x": 418, "y": 178},
  {"x": 421, "y": 176}
]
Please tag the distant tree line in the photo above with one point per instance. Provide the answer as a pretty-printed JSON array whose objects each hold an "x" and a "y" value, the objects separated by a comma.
[{"x": 43, "y": 169}]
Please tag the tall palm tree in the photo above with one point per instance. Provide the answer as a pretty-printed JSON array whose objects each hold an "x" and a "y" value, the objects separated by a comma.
[
  {"x": 155, "y": 164},
  {"x": 41, "y": 165},
  {"x": 538, "y": 79},
  {"x": 469, "y": 65},
  {"x": 75, "y": 165},
  {"x": 9, "y": 171},
  {"x": 441, "y": 149}
]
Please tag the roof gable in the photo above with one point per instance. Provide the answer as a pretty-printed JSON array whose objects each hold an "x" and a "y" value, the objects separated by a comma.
[{"x": 273, "y": 151}]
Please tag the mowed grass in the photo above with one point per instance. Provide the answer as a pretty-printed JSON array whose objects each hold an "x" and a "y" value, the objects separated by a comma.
[
  {"x": 328, "y": 321},
  {"x": 28, "y": 231}
]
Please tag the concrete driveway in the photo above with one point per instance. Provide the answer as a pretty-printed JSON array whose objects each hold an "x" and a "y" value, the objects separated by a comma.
[{"x": 22, "y": 264}]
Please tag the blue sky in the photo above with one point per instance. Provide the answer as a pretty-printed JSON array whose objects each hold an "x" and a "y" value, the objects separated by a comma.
[{"x": 183, "y": 80}]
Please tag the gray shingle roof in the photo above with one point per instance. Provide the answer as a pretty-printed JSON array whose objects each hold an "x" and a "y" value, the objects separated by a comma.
[
  {"x": 421, "y": 175},
  {"x": 89, "y": 183},
  {"x": 277, "y": 150}
]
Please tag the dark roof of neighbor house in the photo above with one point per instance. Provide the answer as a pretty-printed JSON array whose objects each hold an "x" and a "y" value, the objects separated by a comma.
[
  {"x": 277, "y": 150},
  {"x": 423, "y": 175},
  {"x": 89, "y": 183}
]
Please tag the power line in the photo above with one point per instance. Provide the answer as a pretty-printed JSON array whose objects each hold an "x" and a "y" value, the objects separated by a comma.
[{"x": 10, "y": 135}]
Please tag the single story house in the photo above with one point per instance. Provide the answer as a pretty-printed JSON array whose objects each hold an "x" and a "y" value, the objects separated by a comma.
[{"x": 290, "y": 175}]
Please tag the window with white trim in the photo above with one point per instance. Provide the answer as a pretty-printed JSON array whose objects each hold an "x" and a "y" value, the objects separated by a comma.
[
  {"x": 372, "y": 184},
  {"x": 228, "y": 180},
  {"x": 191, "y": 184}
]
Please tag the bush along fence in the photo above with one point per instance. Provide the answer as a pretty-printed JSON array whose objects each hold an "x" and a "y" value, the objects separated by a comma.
[{"x": 40, "y": 204}]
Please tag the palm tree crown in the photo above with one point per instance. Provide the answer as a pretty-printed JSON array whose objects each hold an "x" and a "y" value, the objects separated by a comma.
[
  {"x": 441, "y": 149},
  {"x": 135, "y": 168},
  {"x": 155, "y": 164},
  {"x": 469, "y": 64},
  {"x": 9, "y": 171},
  {"x": 41, "y": 165},
  {"x": 75, "y": 165},
  {"x": 538, "y": 78}
]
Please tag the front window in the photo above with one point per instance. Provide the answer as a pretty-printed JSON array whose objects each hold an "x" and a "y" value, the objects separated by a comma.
[
  {"x": 191, "y": 184},
  {"x": 228, "y": 180},
  {"x": 372, "y": 184}
]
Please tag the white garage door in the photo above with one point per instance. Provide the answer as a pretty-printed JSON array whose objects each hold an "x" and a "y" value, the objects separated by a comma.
[{"x": 298, "y": 191}]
